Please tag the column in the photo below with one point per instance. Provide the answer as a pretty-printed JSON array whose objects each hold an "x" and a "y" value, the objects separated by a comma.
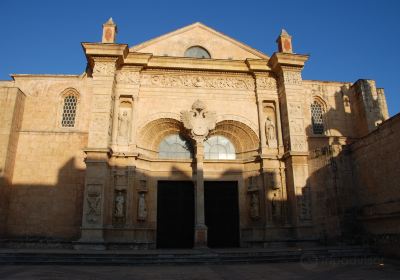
[{"x": 200, "y": 236}]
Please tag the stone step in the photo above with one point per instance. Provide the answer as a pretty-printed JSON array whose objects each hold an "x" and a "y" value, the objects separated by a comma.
[{"x": 66, "y": 257}]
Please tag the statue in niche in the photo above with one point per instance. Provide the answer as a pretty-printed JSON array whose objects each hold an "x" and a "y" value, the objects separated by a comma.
[
  {"x": 142, "y": 208},
  {"x": 254, "y": 206},
  {"x": 270, "y": 133},
  {"x": 119, "y": 205},
  {"x": 275, "y": 207},
  {"x": 123, "y": 125}
]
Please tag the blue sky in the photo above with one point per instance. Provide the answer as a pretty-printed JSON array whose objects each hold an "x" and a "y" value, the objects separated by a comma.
[{"x": 347, "y": 40}]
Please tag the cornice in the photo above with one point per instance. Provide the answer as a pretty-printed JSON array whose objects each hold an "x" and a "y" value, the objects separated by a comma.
[{"x": 281, "y": 60}]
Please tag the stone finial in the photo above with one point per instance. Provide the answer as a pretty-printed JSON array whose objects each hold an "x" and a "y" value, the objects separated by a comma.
[
  {"x": 109, "y": 32},
  {"x": 284, "y": 42}
]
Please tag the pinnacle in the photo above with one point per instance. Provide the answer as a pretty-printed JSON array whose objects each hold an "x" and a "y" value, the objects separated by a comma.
[{"x": 284, "y": 33}]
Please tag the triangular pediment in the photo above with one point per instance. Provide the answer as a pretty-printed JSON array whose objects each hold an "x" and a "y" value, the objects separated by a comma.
[{"x": 217, "y": 44}]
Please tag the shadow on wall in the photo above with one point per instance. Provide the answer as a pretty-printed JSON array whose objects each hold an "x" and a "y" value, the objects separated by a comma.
[
  {"x": 352, "y": 174},
  {"x": 50, "y": 211}
]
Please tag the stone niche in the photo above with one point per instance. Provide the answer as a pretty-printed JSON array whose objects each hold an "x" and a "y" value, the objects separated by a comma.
[
  {"x": 124, "y": 121},
  {"x": 270, "y": 126}
]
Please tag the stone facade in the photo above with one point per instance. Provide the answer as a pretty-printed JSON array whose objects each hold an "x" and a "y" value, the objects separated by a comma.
[{"x": 81, "y": 155}]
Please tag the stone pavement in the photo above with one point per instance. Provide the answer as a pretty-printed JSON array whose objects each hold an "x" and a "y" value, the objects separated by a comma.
[{"x": 326, "y": 271}]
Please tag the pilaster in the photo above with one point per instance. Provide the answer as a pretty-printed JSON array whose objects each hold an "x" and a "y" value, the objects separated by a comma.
[{"x": 288, "y": 67}]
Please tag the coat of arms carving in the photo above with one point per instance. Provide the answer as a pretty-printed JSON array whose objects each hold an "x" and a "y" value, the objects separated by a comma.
[{"x": 198, "y": 120}]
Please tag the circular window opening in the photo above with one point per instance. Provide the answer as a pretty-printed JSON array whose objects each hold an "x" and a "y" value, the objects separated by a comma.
[{"x": 197, "y": 52}]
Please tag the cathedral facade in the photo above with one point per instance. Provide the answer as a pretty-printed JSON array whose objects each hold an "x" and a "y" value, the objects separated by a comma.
[{"x": 192, "y": 139}]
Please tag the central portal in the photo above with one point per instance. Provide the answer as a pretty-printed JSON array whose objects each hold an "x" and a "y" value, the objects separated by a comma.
[
  {"x": 222, "y": 213},
  {"x": 175, "y": 214}
]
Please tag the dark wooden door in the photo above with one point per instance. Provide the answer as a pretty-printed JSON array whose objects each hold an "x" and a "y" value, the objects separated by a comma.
[
  {"x": 222, "y": 213},
  {"x": 175, "y": 214}
]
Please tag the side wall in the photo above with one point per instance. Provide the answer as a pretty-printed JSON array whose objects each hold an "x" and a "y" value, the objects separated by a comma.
[
  {"x": 376, "y": 169},
  {"x": 12, "y": 106},
  {"x": 45, "y": 197}
]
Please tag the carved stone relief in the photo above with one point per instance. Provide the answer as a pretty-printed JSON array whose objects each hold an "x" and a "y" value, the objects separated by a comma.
[
  {"x": 101, "y": 102},
  {"x": 124, "y": 122},
  {"x": 99, "y": 120},
  {"x": 119, "y": 204},
  {"x": 292, "y": 78},
  {"x": 93, "y": 200},
  {"x": 255, "y": 206},
  {"x": 266, "y": 83},
  {"x": 270, "y": 124},
  {"x": 129, "y": 77},
  {"x": 276, "y": 205},
  {"x": 104, "y": 68},
  {"x": 196, "y": 81},
  {"x": 304, "y": 205},
  {"x": 270, "y": 133},
  {"x": 295, "y": 109},
  {"x": 296, "y": 126},
  {"x": 142, "y": 207},
  {"x": 254, "y": 199},
  {"x": 198, "y": 120},
  {"x": 298, "y": 143}
]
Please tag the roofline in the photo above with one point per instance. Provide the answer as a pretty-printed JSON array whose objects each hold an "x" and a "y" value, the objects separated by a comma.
[{"x": 201, "y": 25}]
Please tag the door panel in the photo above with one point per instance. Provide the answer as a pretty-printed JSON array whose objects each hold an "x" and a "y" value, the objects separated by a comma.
[
  {"x": 222, "y": 213},
  {"x": 175, "y": 214}
]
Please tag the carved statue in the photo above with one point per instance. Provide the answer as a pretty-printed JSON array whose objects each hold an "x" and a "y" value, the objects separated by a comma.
[
  {"x": 198, "y": 120},
  {"x": 270, "y": 133},
  {"x": 142, "y": 208},
  {"x": 119, "y": 205},
  {"x": 275, "y": 207},
  {"x": 123, "y": 126},
  {"x": 254, "y": 206}
]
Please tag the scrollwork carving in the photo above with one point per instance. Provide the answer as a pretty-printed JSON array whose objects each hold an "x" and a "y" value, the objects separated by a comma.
[
  {"x": 128, "y": 77},
  {"x": 104, "y": 68},
  {"x": 195, "y": 81},
  {"x": 266, "y": 83},
  {"x": 292, "y": 78},
  {"x": 93, "y": 201}
]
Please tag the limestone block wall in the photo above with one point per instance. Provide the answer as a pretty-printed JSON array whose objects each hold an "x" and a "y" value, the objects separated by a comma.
[
  {"x": 45, "y": 198},
  {"x": 12, "y": 106},
  {"x": 375, "y": 162},
  {"x": 369, "y": 106},
  {"x": 334, "y": 97},
  {"x": 331, "y": 182}
]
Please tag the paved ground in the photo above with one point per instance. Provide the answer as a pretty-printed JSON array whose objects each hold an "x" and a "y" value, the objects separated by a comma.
[{"x": 343, "y": 271}]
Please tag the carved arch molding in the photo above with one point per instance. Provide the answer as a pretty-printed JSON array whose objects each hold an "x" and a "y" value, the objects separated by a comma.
[{"x": 243, "y": 137}]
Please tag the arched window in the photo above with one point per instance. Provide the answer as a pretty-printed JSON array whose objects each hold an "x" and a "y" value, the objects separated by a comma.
[
  {"x": 317, "y": 119},
  {"x": 175, "y": 147},
  {"x": 219, "y": 147},
  {"x": 69, "y": 110},
  {"x": 197, "y": 52}
]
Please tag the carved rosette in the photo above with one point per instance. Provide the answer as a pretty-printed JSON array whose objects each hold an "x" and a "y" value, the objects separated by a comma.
[{"x": 198, "y": 121}]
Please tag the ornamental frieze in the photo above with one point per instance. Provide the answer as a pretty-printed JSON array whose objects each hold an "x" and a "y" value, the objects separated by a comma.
[
  {"x": 128, "y": 77},
  {"x": 266, "y": 83},
  {"x": 292, "y": 78},
  {"x": 104, "y": 68},
  {"x": 196, "y": 81}
]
